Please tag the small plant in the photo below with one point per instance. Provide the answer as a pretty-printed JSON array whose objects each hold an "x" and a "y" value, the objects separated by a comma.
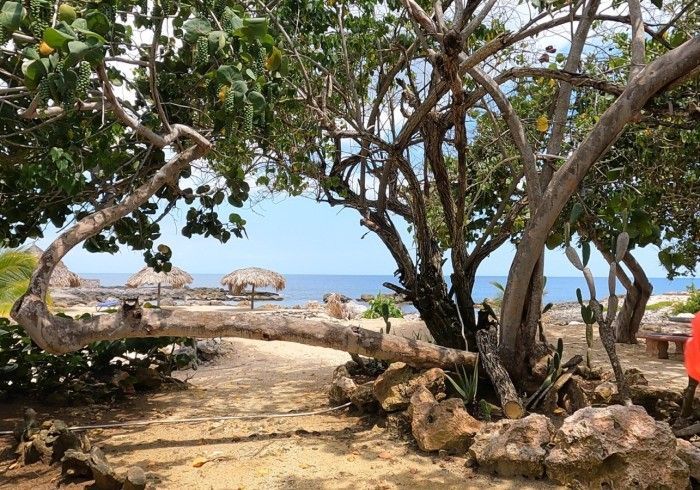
[
  {"x": 383, "y": 307},
  {"x": 692, "y": 304},
  {"x": 465, "y": 385},
  {"x": 485, "y": 410}
]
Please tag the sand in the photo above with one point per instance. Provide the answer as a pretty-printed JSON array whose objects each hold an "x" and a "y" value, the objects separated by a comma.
[{"x": 332, "y": 450}]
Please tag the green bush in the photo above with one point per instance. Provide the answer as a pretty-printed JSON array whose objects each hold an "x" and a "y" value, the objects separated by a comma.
[
  {"x": 692, "y": 304},
  {"x": 382, "y": 307},
  {"x": 101, "y": 371}
]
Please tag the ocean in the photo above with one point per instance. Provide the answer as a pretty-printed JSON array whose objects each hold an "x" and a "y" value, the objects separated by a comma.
[{"x": 302, "y": 288}]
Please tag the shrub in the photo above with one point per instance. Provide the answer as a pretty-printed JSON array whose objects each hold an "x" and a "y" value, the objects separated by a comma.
[
  {"x": 692, "y": 304},
  {"x": 101, "y": 371},
  {"x": 382, "y": 307}
]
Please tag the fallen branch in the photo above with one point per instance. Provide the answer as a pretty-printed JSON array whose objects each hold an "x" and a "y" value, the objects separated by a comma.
[
  {"x": 59, "y": 335},
  {"x": 510, "y": 402}
]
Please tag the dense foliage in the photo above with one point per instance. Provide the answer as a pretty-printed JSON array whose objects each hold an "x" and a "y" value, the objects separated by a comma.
[
  {"x": 68, "y": 70},
  {"x": 101, "y": 371}
]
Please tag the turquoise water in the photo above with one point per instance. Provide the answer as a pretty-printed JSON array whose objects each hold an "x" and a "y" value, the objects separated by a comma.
[{"x": 302, "y": 288}]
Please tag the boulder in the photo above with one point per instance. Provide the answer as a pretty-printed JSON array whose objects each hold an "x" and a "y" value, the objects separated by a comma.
[
  {"x": 341, "y": 297},
  {"x": 691, "y": 455},
  {"x": 394, "y": 387},
  {"x": 615, "y": 447},
  {"x": 103, "y": 473},
  {"x": 399, "y": 424},
  {"x": 362, "y": 397},
  {"x": 514, "y": 447},
  {"x": 135, "y": 479},
  {"x": 76, "y": 464},
  {"x": 441, "y": 426},
  {"x": 49, "y": 444},
  {"x": 340, "y": 391}
]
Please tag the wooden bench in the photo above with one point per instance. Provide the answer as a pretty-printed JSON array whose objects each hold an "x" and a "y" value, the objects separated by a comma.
[{"x": 657, "y": 343}]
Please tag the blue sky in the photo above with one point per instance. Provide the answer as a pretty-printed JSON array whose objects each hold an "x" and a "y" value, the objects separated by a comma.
[{"x": 296, "y": 235}]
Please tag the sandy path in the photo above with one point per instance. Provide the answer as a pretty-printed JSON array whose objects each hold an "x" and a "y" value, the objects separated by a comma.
[
  {"x": 334, "y": 450},
  {"x": 339, "y": 451}
]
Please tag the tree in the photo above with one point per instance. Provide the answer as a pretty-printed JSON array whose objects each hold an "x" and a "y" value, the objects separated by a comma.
[
  {"x": 353, "y": 101},
  {"x": 406, "y": 101},
  {"x": 113, "y": 158}
]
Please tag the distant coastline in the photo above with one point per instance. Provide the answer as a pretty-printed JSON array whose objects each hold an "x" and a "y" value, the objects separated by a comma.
[{"x": 302, "y": 288}]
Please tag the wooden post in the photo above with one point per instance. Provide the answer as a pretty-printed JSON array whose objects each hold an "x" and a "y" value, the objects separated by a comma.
[
  {"x": 252, "y": 297},
  {"x": 158, "y": 298},
  {"x": 488, "y": 350}
]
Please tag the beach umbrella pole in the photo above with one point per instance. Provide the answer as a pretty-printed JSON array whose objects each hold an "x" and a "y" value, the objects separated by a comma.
[
  {"x": 158, "y": 299},
  {"x": 252, "y": 297}
]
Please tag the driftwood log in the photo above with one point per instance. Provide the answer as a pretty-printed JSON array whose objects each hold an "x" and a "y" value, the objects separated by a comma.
[
  {"x": 60, "y": 334},
  {"x": 488, "y": 350}
]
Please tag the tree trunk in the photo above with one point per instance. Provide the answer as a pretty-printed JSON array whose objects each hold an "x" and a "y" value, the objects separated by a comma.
[
  {"x": 440, "y": 315},
  {"x": 632, "y": 311},
  {"x": 488, "y": 348},
  {"x": 60, "y": 335}
]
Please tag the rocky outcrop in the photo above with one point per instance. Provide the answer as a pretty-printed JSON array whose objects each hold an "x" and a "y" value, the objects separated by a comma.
[
  {"x": 48, "y": 444},
  {"x": 615, "y": 447},
  {"x": 442, "y": 425},
  {"x": 65, "y": 297},
  {"x": 513, "y": 447},
  {"x": 394, "y": 388}
]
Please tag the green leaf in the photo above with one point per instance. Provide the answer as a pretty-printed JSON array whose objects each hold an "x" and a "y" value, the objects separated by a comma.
[
  {"x": 657, "y": 3},
  {"x": 239, "y": 87},
  {"x": 195, "y": 28},
  {"x": 576, "y": 212},
  {"x": 97, "y": 22},
  {"x": 11, "y": 15},
  {"x": 56, "y": 39},
  {"x": 217, "y": 40},
  {"x": 255, "y": 27},
  {"x": 257, "y": 99},
  {"x": 37, "y": 69}
]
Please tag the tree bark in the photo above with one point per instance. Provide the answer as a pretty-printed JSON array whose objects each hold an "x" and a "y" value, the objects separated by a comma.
[
  {"x": 488, "y": 350},
  {"x": 632, "y": 311},
  {"x": 60, "y": 335}
]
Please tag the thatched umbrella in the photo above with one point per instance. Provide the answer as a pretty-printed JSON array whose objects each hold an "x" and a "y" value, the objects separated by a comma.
[
  {"x": 255, "y": 277},
  {"x": 61, "y": 277},
  {"x": 176, "y": 278}
]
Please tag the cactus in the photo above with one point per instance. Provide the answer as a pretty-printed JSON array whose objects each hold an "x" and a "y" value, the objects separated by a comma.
[
  {"x": 573, "y": 257},
  {"x": 4, "y": 35},
  {"x": 589, "y": 344}
]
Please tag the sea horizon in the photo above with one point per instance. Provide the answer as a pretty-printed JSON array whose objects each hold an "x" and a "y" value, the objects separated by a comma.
[{"x": 302, "y": 288}]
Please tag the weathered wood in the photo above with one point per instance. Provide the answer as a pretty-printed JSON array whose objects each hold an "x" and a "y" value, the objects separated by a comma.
[
  {"x": 689, "y": 398},
  {"x": 486, "y": 341},
  {"x": 60, "y": 335}
]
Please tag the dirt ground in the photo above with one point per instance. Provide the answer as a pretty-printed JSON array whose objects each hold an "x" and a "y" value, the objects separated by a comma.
[{"x": 338, "y": 450}]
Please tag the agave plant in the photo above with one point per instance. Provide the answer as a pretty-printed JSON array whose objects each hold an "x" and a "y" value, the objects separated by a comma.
[
  {"x": 465, "y": 384},
  {"x": 16, "y": 268}
]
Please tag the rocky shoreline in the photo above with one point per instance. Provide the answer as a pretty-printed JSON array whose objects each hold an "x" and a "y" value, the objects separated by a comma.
[{"x": 90, "y": 296}]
